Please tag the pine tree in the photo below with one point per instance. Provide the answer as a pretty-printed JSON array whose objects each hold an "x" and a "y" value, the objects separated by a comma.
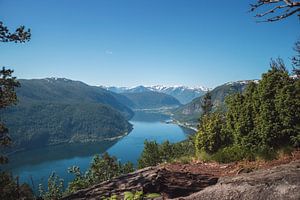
[
  {"x": 206, "y": 104},
  {"x": 150, "y": 155},
  {"x": 211, "y": 135},
  {"x": 8, "y": 82}
]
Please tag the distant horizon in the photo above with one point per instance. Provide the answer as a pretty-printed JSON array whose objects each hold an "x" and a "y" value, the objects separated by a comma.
[
  {"x": 134, "y": 42},
  {"x": 144, "y": 85}
]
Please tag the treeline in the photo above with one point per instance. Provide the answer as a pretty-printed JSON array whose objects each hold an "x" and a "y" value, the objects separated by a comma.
[
  {"x": 41, "y": 124},
  {"x": 257, "y": 123},
  {"x": 155, "y": 153}
]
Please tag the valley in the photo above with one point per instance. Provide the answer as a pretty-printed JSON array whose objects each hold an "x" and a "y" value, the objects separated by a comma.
[{"x": 35, "y": 166}]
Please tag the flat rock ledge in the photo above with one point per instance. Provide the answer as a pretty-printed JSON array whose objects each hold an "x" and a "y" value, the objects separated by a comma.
[
  {"x": 277, "y": 183},
  {"x": 149, "y": 180}
]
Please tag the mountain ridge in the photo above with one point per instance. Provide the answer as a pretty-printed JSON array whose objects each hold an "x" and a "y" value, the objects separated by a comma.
[
  {"x": 183, "y": 93},
  {"x": 57, "y": 110},
  {"x": 191, "y": 112}
]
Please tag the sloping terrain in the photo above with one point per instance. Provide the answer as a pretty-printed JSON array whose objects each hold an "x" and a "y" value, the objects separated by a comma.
[
  {"x": 277, "y": 183},
  {"x": 278, "y": 179},
  {"x": 192, "y": 111},
  {"x": 52, "y": 111},
  {"x": 61, "y": 90}
]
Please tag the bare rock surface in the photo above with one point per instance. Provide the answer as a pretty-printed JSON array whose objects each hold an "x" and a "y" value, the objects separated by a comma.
[
  {"x": 277, "y": 183},
  {"x": 274, "y": 180},
  {"x": 170, "y": 184}
]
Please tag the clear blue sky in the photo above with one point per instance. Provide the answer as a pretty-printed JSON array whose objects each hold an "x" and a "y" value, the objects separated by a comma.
[{"x": 133, "y": 42}]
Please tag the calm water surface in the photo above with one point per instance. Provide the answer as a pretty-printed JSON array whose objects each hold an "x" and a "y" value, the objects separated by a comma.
[{"x": 35, "y": 166}]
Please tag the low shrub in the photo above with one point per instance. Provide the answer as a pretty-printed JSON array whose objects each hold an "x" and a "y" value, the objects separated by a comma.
[{"x": 232, "y": 154}]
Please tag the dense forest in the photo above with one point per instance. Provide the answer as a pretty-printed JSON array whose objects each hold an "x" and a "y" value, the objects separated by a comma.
[{"x": 53, "y": 111}]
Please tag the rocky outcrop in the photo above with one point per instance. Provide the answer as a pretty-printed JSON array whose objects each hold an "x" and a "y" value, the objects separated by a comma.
[
  {"x": 170, "y": 184},
  {"x": 277, "y": 183},
  {"x": 207, "y": 181}
]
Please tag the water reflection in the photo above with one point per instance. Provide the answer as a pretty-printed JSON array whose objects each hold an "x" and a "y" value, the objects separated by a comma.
[
  {"x": 58, "y": 152},
  {"x": 35, "y": 166}
]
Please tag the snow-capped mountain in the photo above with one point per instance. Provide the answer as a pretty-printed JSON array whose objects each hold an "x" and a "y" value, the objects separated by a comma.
[{"x": 183, "y": 93}]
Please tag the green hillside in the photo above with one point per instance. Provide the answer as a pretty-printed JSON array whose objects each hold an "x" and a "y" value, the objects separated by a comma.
[{"x": 53, "y": 111}]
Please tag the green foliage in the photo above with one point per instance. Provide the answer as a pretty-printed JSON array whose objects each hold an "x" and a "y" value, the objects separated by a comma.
[
  {"x": 211, "y": 135},
  {"x": 231, "y": 154},
  {"x": 257, "y": 123},
  {"x": 8, "y": 96},
  {"x": 41, "y": 124},
  {"x": 154, "y": 153},
  {"x": 20, "y": 35},
  {"x": 11, "y": 190},
  {"x": 266, "y": 115},
  {"x": 113, "y": 197},
  {"x": 150, "y": 155},
  {"x": 206, "y": 104},
  {"x": 296, "y": 58},
  {"x": 55, "y": 188},
  {"x": 128, "y": 196},
  {"x": 8, "y": 83},
  {"x": 52, "y": 111},
  {"x": 138, "y": 195},
  {"x": 102, "y": 168},
  {"x": 152, "y": 195}
]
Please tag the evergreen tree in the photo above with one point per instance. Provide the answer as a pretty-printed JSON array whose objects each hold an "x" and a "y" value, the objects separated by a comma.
[
  {"x": 241, "y": 115},
  {"x": 8, "y": 82},
  {"x": 150, "y": 155},
  {"x": 211, "y": 135},
  {"x": 206, "y": 104},
  {"x": 266, "y": 115},
  {"x": 296, "y": 59}
]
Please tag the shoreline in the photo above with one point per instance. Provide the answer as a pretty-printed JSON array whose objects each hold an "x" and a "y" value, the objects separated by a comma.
[
  {"x": 182, "y": 124},
  {"x": 91, "y": 140}
]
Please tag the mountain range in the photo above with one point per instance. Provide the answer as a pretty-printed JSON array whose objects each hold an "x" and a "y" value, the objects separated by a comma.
[
  {"x": 57, "y": 110},
  {"x": 151, "y": 100},
  {"x": 182, "y": 93},
  {"x": 191, "y": 112}
]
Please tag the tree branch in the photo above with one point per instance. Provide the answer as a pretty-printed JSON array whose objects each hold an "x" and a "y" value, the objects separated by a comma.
[{"x": 284, "y": 9}]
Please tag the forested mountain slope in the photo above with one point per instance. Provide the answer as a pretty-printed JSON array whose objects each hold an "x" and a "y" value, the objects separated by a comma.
[
  {"x": 192, "y": 111},
  {"x": 52, "y": 111}
]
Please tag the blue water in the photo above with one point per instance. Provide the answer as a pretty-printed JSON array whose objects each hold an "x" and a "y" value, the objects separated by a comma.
[{"x": 35, "y": 166}]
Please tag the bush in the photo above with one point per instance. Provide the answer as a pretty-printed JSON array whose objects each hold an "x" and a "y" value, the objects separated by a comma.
[
  {"x": 232, "y": 154},
  {"x": 10, "y": 190},
  {"x": 150, "y": 155},
  {"x": 55, "y": 188},
  {"x": 104, "y": 167},
  {"x": 154, "y": 153}
]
